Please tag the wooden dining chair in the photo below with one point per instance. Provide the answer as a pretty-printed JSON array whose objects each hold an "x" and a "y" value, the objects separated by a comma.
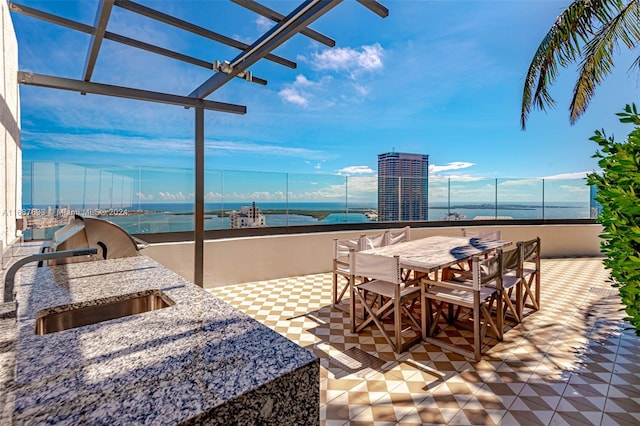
[
  {"x": 481, "y": 294},
  {"x": 490, "y": 235},
  {"x": 530, "y": 273},
  {"x": 370, "y": 241},
  {"x": 399, "y": 235},
  {"x": 384, "y": 294},
  {"x": 511, "y": 284},
  {"x": 341, "y": 268}
]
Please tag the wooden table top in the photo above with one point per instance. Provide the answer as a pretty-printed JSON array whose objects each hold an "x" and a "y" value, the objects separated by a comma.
[{"x": 433, "y": 253}]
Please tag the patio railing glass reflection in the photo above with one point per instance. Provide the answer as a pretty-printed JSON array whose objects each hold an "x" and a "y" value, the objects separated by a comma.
[{"x": 155, "y": 200}]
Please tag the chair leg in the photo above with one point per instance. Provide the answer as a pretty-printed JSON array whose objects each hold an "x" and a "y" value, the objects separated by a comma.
[
  {"x": 495, "y": 326},
  {"x": 508, "y": 304},
  {"x": 434, "y": 322},
  {"x": 397, "y": 317},
  {"x": 528, "y": 292},
  {"x": 477, "y": 337},
  {"x": 352, "y": 306},
  {"x": 344, "y": 290},
  {"x": 538, "y": 287},
  {"x": 519, "y": 300}
]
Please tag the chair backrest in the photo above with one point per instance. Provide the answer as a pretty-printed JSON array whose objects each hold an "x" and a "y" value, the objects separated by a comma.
[
  {"x": 487, "y": 270},
  {"x": 377, "y": 267},
  {"x": 490, "y": 235},
  {"x": 399, "y": 235},
  {"x": 511, "y": 260},
  {"x": 530, "y": 250},
  {"x": 373, "y": 241},
  {"x": 342, "y": 247}
]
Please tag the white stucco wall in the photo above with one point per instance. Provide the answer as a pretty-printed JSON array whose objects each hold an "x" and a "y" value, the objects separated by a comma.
[
  {"x": 239, "y": 260},
  {"x": 10, "y": 149}
]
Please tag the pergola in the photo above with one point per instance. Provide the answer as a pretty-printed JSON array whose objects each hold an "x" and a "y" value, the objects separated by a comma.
[{"x": 285, "y": 27}]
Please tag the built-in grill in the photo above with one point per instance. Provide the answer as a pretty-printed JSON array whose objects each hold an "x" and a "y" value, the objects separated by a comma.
[{"x": 110, "y": 239}]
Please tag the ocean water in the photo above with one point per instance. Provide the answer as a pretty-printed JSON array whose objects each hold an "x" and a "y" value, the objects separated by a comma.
[{"x": 178, "y": 217}]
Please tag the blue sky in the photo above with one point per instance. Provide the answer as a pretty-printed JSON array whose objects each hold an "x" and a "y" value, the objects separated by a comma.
[{"x": 442, "y": 78}]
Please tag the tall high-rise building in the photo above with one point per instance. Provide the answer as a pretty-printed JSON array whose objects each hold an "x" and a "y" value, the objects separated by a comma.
[{"x": 403, "y": 186}]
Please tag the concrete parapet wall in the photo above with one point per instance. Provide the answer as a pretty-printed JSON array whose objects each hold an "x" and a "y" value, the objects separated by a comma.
[{"x": 238, "y": 260}]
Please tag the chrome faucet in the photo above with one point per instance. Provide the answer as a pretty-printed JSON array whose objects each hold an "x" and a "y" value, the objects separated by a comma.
[{"x": 13, "y": 269}]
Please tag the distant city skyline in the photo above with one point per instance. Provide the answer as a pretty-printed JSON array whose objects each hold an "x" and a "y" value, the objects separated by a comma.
[{"x": 443, "y": 77}]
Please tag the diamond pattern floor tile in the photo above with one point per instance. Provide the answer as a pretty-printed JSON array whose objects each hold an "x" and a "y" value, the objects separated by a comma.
[{"x": 573, "y": 362}]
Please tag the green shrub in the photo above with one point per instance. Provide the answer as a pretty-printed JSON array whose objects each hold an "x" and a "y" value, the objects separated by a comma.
[{"x": 619, "y": 193}]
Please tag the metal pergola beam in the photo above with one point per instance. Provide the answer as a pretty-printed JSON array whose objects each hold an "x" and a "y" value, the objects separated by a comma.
[
  {"x": 300, "y": 18},
  {"x": 31, "y": 79},
  {"x": 195, "y": 29},
  {"x": 260, "y": 9},
  {"x": 296, "y": 22},
  {"x": 100, "y": 27},
  {"x": 78, "y": 26},
  {"x": 198, "y": 216},
  {"x": 375, "y": 7}
]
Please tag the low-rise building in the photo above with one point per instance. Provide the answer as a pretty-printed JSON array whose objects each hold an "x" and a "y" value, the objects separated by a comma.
[{"x": 247, "y": 217}]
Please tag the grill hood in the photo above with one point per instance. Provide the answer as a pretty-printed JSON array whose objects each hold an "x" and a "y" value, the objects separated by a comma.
[{"x": 112, "y": 241}]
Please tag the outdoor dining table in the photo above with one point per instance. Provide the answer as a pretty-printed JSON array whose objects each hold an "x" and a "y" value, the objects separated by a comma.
[{"x": 432, "y": 254}]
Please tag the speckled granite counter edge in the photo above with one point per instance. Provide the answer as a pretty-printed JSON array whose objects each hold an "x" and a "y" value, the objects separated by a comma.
[{"x": 212, "y": 362}]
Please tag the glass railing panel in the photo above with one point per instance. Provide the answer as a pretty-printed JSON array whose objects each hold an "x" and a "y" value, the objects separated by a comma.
[
  {"x": 39, "y": 200},
  {"x": 595, "y": 208},
  {"x": 439, "y": 206},
  {"x": 157, "y": 200},
  {"x": 241, "y": 189},
  {"x": 316, "y": 199},
  {"x": 519, "y": 198},
  {"x": 362, "y": 199},
  {"x": 58, "y": 191},
  {"x": 215, "y": 216},
  {"x": 566, "y": 199},
  {"x": 473, "y": 198},
  {"x": 162, "y": 200}
]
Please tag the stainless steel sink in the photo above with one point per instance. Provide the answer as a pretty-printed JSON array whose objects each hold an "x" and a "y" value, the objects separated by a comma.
[{"x": 73, "y": 317}]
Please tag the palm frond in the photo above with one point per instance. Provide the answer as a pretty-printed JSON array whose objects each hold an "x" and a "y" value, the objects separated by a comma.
[
  {"x": 598, "y": 61},
  {"x": 561, "y": 46}
]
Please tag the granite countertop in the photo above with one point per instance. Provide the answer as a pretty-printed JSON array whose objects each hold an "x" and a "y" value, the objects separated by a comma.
[{"x": 161, "y": 367}]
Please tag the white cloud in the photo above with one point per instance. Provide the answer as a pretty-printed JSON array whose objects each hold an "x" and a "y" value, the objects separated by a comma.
[
  {"x": 347, "y": 62},
  {"x": 178, "y": 196},
  {"x": 264, "y": 24},
  {"x": 456, "y": 165},
  {"x": 355, "y": 170},
  {"x": 104, "y": 142},
  {"x": 291, "y": 95},
  {"x": 213, "y": 196},
  {"x": 522, "y": 182},
  {"x": 315, "y": 165},
  {"x": 455, "y": 178},
  {"x": 252, "y": 148},
  {"x": 302, "y": 90},
  {"x": 575, "y": 175},
  {"x": 144, "y": 197},
  {"x": 361, "y": 90},
  {"x": 123, "y": 144},
  {"x": 575, "y": 189},
  {"x": 255, "y": 196},
  {"x": 369, "y": 58}
]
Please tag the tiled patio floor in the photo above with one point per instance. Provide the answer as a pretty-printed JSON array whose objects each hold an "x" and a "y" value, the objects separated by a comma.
[{"x": 572, "y": 362}]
